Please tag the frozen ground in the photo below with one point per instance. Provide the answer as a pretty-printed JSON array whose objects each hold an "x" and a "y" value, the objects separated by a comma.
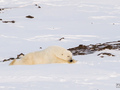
[{"x": 79, "y": 22}]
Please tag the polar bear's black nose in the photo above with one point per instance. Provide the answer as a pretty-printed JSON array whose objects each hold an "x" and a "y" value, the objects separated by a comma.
[{"x": 71, "y": 61}]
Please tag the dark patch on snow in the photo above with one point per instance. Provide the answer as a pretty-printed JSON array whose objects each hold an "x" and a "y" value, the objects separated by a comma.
[
  {"x": 9, "y": 21},
  {"x": 12, "y": 21},
  {"x": 18, "y": 57},
  {"x": 102, "y": 55},
  {"x": 108, "y": 54},
  {"x": 90, "y": 49},
  {"x": 40, "y": 47},
  {"x": 29, "y": 16},
  {"x": 37, "y": 5},
  {"x": 1, "y": 9},
  {"x": 8, "y": 59},
  {"x": 61, "y": 38}
]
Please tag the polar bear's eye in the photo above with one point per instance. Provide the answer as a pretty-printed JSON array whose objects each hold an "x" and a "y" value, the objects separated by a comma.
[
  {"x": 61, "y": 54},
  {"x": 68, "y": 56}
]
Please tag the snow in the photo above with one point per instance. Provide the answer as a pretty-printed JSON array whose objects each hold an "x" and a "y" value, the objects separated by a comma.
[{"x": 79, "y": 22}]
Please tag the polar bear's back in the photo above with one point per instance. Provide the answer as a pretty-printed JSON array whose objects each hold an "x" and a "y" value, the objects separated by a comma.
[
  {"x": 37, "y": 57},
  {"x": 55, "y": 48},
  {"x": 43, "y": 57}
]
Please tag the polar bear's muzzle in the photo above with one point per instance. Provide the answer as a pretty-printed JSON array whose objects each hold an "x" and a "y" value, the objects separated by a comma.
[{"x": 71, "y": 61}]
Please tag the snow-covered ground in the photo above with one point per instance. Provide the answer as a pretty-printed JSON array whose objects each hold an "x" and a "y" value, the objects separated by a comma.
[{"x": 79, "y": 22}]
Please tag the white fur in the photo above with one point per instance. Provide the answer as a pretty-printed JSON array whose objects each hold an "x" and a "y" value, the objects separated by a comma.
[{"x": 52, "y": 54}]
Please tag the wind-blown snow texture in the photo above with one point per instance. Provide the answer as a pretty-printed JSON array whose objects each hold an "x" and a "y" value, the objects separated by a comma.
[{"x": 79, "y": 22}]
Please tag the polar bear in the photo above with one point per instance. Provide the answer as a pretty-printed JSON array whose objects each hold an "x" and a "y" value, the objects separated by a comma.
[{"x": 52, "y": 54}]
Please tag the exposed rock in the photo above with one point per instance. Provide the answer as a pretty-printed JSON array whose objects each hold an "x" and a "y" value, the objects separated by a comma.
[
  {"x": 18, "y": 57},
  {"x": 36, "y": 4},
  {"x": 8, "y": 59},
  {"x": 105, "y": 54},
  {"x": 8, "y": 21},
  {"x": 29, "y": 16},
  {"x": 1, "y": 9},
  {"x": 89, "y": 49},
  {"x": 61, "y": 38},
  {"x": 108, "y": 54},
  {"x": 39, "y": 6},
  {"x": 102, "y": 56}
]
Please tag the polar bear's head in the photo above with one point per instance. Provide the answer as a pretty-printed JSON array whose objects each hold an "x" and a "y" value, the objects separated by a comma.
[{"x": 62, "y": 53}]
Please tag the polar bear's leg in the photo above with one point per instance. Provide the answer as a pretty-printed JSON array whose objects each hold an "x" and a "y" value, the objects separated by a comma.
[
  {"x": 13, "y": 62},
  {"x": 16, "y": 62}
]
